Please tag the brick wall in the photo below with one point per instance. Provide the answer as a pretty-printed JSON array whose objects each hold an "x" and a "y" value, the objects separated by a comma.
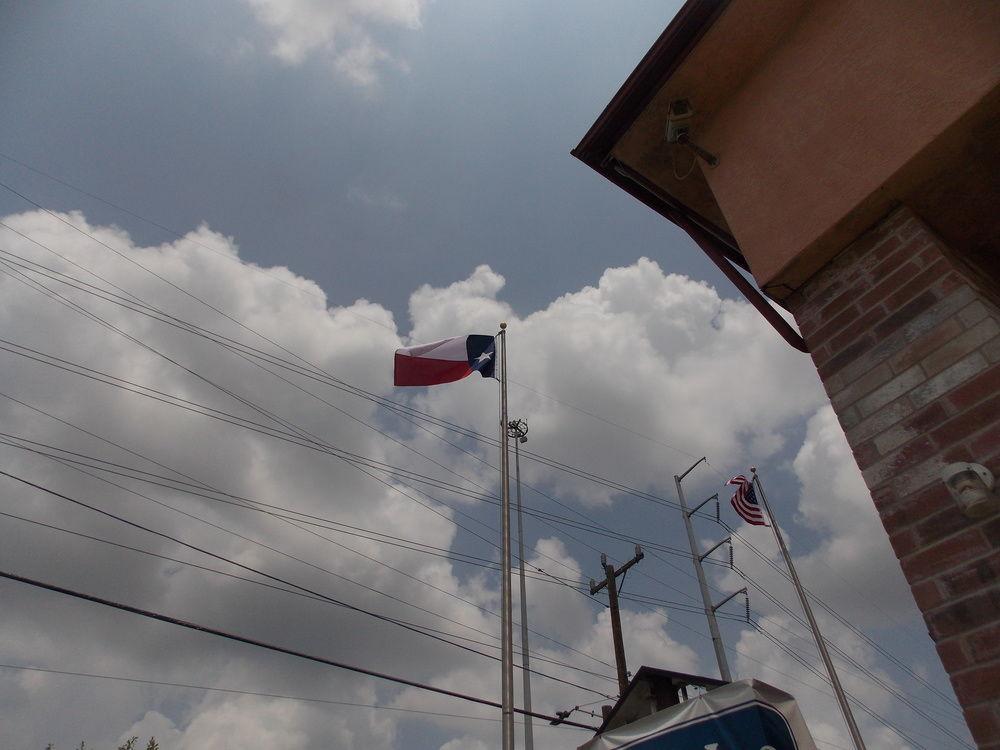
[{"x": 909, "y": 353}]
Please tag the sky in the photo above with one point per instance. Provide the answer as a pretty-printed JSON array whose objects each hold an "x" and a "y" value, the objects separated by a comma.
[{"x": 219, "y": 221}]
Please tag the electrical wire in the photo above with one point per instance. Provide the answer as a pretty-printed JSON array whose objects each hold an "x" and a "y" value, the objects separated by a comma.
[
  {"x": 278, "y": 579},
  {"x": 126, "y": 258},
  {"x": 259, "y": 694},
  {"x": 272, "y": 647}
]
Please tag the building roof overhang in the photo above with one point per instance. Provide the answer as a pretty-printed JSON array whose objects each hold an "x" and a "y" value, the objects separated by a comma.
[{"x": 708, "y": 56}]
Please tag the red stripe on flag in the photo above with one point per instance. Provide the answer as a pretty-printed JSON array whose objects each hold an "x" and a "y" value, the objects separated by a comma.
[
  {"x": 426, "y": 371},
  {"x": 748, "y": 511}
]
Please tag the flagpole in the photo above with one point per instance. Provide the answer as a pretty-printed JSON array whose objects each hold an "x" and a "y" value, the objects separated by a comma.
[
  {"x": 845, "y": 707},
  {"x": 507, "y": 627},
  {"x": 519, "y": 432}
]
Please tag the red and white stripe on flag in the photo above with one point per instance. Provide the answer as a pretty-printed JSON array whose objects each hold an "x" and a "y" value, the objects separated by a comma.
[
  {"x": 745, "y": 501},
  {"x": 445, "y": 361}
]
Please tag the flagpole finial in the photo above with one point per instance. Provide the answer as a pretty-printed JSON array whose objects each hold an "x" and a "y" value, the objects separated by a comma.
[
  {"x": 503, "y": 326},
  {"x": 753, "y": 469}
]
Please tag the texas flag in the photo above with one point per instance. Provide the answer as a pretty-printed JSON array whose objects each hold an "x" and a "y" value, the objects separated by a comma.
[{"x": 445, "y": 360}]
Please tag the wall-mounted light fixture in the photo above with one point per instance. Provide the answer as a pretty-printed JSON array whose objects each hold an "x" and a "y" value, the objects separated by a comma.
[
  {"x": 678, "y": 130},
  {"x": 972, "y": 487}
]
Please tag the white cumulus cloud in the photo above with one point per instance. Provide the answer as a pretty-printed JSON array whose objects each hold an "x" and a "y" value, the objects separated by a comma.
[
  {"x": 341, "y": 31},
  {"x": 654, "y": 353}
]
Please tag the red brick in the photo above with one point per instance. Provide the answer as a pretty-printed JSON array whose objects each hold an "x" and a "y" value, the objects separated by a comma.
[
  {"x": 905, "y": 314},
  {"x": 866, "y": 454},
  {"x": 888, "y": 277},
  {"x": 928, "y": 255},
  {"x": 893, "y": 255},
  {"x": 975, "y": 576},
  {"x": 926, "y": 344},
  {"x": 911, "y": 454},
  {"x": 886, "y": 247},
  {"x": 836, "y": 323},
  {"x": 977, "y": 685},
  {"x": 986, "y": 442},
  {"x": 903, "y": 543},
  {"x": 950, "y": 283},
  {"x": 965, "y": 615},
  {"x": 949, "y": 521},
  {"x": 835, "y": 306},
  {"x": 955, "y": 454},
  {"x": 959, "y": 346},
  {"x": 917, "y": 507},
  {"x": 896, "y": 220},
  {"x": 945, "y": 555},
  {"x": 927, "y": 595},
  {"x": 968, "y": 423},
  {"x": 983, "y": 722},
  {"x": 840, "y": 360},
  {"x": 992, "y": 531},
  {"x": 912, "y": 227},
  {"x": 984, "y": 645},
  {"x": 952, "y": 655},
  {"x": 924, "y": 280},
  {"x": 856, "y": 329},
  {"x": 820, "y": 353},
  {"x": 927, "y": 419},
  {"x": 979, "y": 388}
]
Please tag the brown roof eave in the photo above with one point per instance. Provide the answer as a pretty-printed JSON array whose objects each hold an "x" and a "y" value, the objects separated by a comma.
[
  {"x": 652, "y": 72},
  {"x": 671, "y": 48},
  {"x": 594, "y": 150}
]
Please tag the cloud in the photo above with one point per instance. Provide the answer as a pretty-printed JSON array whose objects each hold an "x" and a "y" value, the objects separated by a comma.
[
  {"x": 660, "y": 353},
  {"x": 340, "y": 31},
  {"x": 855, "y": 552}
]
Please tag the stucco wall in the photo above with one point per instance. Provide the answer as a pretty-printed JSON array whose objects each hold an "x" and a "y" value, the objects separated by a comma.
[{"x": 812, "y": 142}]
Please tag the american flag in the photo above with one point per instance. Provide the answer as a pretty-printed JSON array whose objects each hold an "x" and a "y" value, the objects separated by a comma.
[{"x": 745, "y": 501}]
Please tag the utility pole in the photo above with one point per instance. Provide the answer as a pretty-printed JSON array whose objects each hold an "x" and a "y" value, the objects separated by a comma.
[
  {"x": 706, "y": 597},
  {"x": 610, "y": 574},
  {"x": 518, "y": 429}
]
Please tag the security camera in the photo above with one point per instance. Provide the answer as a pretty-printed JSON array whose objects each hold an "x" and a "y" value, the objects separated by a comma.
[{"x": 972, "y": 487}]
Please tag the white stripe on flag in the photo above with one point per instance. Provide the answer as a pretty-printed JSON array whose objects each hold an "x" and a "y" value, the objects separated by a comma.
[{"x": 452, "y": 350}]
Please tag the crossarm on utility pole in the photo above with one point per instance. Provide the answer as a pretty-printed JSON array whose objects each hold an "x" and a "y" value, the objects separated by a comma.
[
  {"x": 595, "y": 587},
  {"x": 610, "y": 574},
  {"x": 727, "y": 540},
  {"x": 700, "y": 505},
  {"x": 715, "y": 607}
]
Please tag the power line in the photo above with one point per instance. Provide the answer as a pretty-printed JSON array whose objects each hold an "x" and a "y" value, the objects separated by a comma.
[
  {"x": 179, "y": 235},
  {"x": 272, "y": 647},
  {"x": 215, "y": 689},
  {"x": 293, "y": 592},
  {"x": 308, "y": 439},
  {"x": 256, "y": 693},
  {"x": 215, "y": 308},
  {"x": 400, "y": 623},
  {"x": 210, "y": 488}
]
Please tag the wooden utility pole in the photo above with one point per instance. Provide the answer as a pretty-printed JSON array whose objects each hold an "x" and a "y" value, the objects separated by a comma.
[{"x": 610, "y": 574}]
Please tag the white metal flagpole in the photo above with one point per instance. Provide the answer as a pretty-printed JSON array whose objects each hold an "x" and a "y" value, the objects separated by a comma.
[
  {"x": 519, "y": 433},
  {"x": 507, "y": 626},
  {"x": 845, "y": 707}
]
